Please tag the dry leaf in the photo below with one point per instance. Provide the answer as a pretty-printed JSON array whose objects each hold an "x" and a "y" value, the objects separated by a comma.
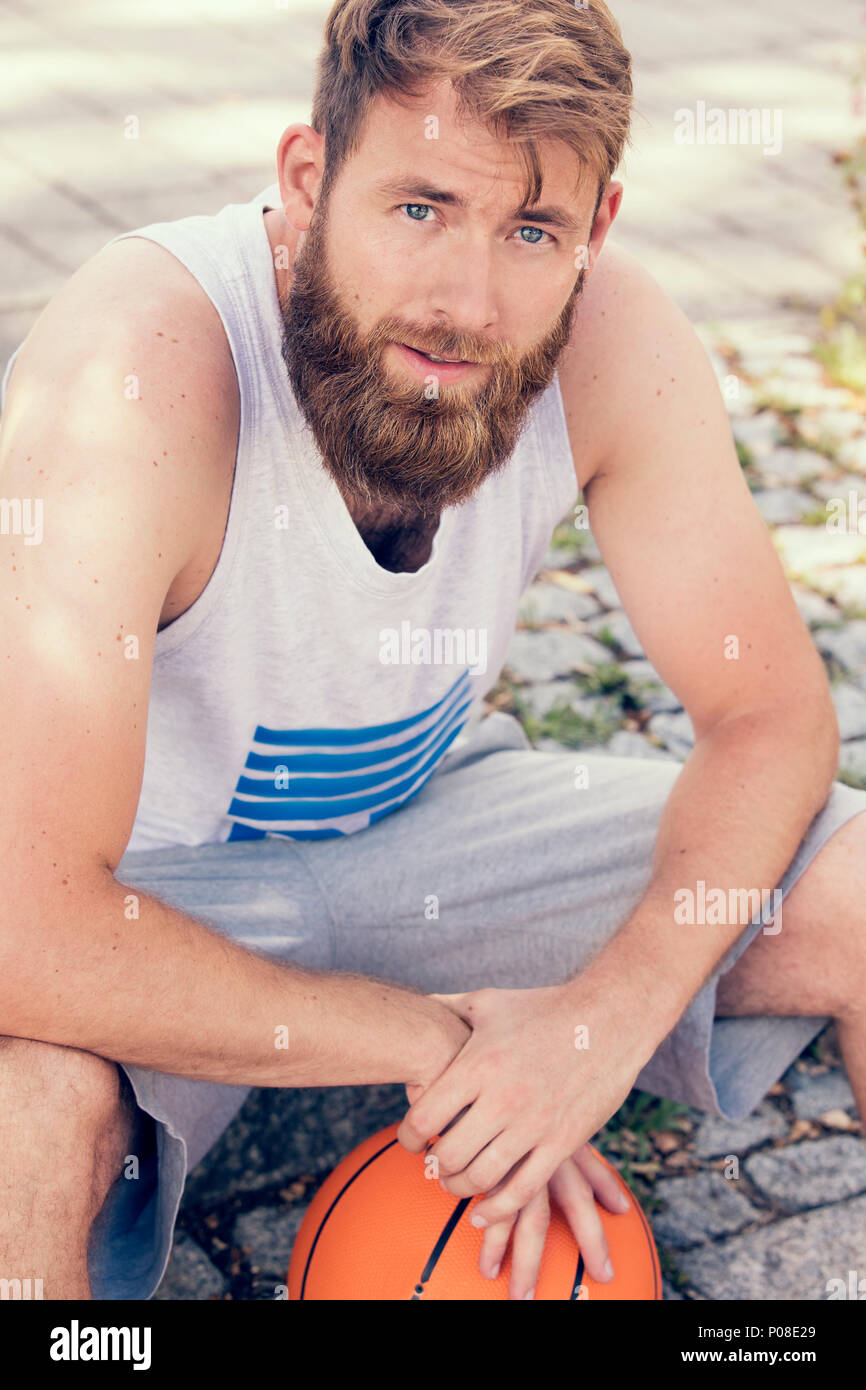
[
  {"x": 680, "y": 1159},
  {"x": 837, "y": 1119},
  {"x": 666, "y": 1140},
  {"x": 566, "y": 580},
  {"x": 800, "y": 1129}
]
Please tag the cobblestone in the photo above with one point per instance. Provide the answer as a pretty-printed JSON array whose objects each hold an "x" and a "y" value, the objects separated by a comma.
[
  {"x": 716, "y": 1137},
  {"x": 546, "y": 654},
  {"x": 700, "y": 1208},
  {"x": 812, "y": 1096},
  {"x": 551, "y": 603},
  {"x": 810, "y": 1174},
  {"x": 190, "y": 1275},
  {"x": 793, "y": 1258}
]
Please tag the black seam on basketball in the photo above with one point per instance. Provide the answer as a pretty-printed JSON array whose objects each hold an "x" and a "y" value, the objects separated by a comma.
[
  {"x": 444, "y": 1237},
  {"x": 343, "y": 1189},
  {"x": 578, "y": 1280}
]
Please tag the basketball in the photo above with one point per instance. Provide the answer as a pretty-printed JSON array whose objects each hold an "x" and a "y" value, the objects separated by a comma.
[{"x": 380, "y": 1228}]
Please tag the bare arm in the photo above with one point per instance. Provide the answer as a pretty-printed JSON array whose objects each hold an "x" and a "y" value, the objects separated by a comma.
[
  {"x": 120, "y": 482},
  {"x": 697, "y": 573}
]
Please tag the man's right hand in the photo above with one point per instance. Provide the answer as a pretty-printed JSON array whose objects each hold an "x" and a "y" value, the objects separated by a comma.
[{"x": 451, "y": 1036}]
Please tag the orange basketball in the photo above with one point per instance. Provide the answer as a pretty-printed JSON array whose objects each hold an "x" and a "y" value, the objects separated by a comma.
[{"x": 380, "y": 1228}]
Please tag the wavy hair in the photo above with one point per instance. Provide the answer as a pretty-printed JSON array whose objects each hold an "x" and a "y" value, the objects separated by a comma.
[{"x": 527, "y": 70}]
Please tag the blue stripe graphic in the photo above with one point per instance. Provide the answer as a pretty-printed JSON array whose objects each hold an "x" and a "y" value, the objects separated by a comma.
[{"x": 364, "y": 785}]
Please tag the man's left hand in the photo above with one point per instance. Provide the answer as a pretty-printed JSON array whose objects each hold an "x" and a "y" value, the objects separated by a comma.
[{"x": 541, "y": 1072}]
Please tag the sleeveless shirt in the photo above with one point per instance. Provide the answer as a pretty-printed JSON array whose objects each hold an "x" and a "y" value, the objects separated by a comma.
[{"x": 308, "y": 692}]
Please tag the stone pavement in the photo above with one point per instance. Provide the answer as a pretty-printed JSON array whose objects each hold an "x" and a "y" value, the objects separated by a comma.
[{"x": 121, "y": 115}]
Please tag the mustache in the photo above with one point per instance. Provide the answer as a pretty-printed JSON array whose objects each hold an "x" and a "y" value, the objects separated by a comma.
[{"x": 487, "y": 354}]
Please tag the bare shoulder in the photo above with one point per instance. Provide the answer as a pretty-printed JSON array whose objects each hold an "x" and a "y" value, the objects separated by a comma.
[
  {"x": 126, "y": 380},
  {"x": 627, "y": 331}
]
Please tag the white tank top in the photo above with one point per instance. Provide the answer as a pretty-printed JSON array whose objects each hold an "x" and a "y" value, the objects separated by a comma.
[{"x": 308, "y": 692}]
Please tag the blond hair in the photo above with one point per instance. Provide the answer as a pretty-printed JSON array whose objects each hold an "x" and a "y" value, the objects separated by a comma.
[{"x": 525, "y": 69}]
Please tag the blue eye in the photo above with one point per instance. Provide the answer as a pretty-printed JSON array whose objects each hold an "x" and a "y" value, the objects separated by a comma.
[{"x": 425, "y": 207}]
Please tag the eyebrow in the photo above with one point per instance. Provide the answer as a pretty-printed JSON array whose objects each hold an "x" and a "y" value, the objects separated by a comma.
[{"x": 552, "y": 216}]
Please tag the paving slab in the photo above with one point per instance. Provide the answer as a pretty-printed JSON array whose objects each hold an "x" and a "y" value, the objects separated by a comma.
[
  {"x": 811, "y": 1173},
  {"x": 700, "y": 1207},
  {"x": 812, "y": 1096},
  {"x": 548, "y": 653},
  {"x": 190, "y": 1275},
  {"x": 266, "y": 1235},
  {"x": 792, "y": 1259},
  {"x": 551, "y": 603},
  {"x": 716, "y": 1137}
]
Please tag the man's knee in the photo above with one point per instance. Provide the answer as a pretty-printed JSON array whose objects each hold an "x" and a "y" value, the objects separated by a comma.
[{"x": 46, "y": 1085}]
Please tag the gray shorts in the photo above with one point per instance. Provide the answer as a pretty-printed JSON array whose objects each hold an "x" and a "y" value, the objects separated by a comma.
[{"x": 532, "y": 878}]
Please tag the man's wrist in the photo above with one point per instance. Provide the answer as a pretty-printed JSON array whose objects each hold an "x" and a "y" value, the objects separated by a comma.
[
  {"x": 634, "y": 973},
  {"x": 442, "y": 1040}
]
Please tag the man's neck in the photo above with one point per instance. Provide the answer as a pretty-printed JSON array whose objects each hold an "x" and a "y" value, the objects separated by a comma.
[{"x": 397, "y": 540}]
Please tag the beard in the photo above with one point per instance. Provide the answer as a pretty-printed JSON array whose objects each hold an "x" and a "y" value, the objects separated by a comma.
[{"x": 392, "y": 444}]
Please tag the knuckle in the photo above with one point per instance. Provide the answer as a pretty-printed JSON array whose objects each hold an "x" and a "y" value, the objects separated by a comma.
[
  {"x": 417, "y": 1123},
  {"x": 482, "y": 1176},
  {"x": 447, "y": 1160},
  {"x": 537, "y": 1216}
]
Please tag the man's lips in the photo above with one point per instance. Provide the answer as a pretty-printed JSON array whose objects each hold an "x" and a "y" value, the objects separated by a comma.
[{"x": 450, "y": 361}]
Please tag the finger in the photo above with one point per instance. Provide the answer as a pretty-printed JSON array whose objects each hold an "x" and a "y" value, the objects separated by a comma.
[
  {"x": 493, "y": 1248},
  {"x": 608, "y": 1186},
  {"x": 475, "y": 1159},
  {"x": 530, "y": 1232},
  {"x": 575, "y": 1198},
  {"x": 526, "y": 1180},
  {"x": 434, "y": 1110},
  {"x": 446, "y": 1129}
]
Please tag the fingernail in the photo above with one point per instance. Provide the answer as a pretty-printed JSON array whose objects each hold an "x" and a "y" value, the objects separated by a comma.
[
  {"x": 531, "y": 1294},
  {"x": 608, "y": 1269},
  {"x": 623, "y": 1203},
  {"x": 494, "y": 1273},
  {"x": 476, "y": 1220}
]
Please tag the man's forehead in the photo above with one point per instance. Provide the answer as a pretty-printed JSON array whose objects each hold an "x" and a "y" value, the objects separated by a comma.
[{"x": 421, "y": 139}]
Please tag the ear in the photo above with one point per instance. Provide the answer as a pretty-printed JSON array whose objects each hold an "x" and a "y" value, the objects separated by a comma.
[{"x": 300, "y": 167}]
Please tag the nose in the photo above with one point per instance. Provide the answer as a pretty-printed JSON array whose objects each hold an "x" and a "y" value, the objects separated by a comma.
[{"x": 463, "y": 299}]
